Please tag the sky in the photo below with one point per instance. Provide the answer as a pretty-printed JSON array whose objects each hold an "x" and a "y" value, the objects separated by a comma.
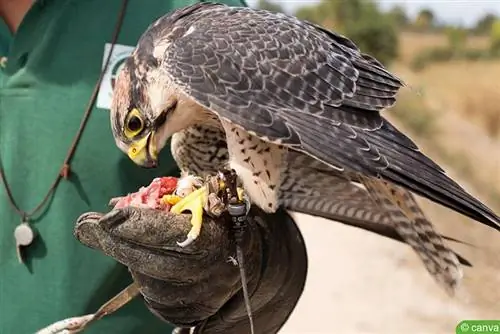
[{"x": 464, "y": 12}]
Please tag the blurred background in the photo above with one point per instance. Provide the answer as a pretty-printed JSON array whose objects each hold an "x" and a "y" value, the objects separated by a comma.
[{"x": 448, "y": 53}]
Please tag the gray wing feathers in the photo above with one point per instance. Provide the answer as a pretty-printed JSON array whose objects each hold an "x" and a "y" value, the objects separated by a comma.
[
  {"x": 308, "y": 88},
  {"x": 308, "y": 186},
  {"x": 313, "y": 188}
]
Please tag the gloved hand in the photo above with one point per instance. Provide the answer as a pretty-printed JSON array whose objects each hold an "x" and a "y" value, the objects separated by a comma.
[{"x": 199, "y": 285}]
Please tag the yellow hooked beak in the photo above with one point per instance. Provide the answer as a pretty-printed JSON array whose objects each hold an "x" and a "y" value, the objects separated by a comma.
[{"x": 143, "y": 152}]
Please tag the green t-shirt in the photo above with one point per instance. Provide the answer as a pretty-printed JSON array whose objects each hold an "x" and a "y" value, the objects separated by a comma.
[{"x": 53, "y": 63}]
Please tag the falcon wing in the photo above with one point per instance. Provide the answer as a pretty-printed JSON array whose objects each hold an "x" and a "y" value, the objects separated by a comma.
[
  {"x": 311, "y": 187},
  {"x": 294, "y": 83}
]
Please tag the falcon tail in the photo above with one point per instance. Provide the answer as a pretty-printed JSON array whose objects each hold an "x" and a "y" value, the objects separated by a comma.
[
  {"x": 411, "y": 224},
  {"x": 406, "y": 166},
  {"x": 339, "y": 199}
]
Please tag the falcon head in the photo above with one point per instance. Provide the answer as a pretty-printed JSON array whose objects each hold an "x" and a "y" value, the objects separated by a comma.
[{"x": 146, "y": 111}]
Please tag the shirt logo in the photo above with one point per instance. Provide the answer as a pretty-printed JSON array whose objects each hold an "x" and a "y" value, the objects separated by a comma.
[{"x": 116, "y": 62}]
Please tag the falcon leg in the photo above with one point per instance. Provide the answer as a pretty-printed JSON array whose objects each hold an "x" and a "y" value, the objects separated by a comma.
[
  {"x": 214, "y": 197},
  {"x": 193, "y": 202}
]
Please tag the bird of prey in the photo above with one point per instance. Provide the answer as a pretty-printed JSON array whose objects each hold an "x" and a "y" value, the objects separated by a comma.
[
  {"x": 311, "y": 187},
  {"x": 283, "y": 93}
]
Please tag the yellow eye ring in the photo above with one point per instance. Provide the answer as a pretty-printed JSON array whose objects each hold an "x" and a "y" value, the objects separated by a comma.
[{"x": 133, "y": 124}]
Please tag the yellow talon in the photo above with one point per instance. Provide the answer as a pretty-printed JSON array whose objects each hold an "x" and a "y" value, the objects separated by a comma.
[
  {"x": 193, "y": 202},
  {"x": 241, "y": 193},
  {"x": 171, "y": 199}
]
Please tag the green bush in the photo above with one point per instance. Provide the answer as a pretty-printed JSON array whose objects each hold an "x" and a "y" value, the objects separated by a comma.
[
  {"x": 373, "y": 31},
  {"x": 457, "y": 38},
  {"x": 270, "y": 6},
  {"x": 445, "y": 54},
  {"x": 495, "y": 37},
  {"x": 425, "y": 20},
  {"x": 483, "y": 25},
  {"x": 375, "y": 35},
  {"x": 438, "y": 54},
  {"x": 476, "y": 54}
]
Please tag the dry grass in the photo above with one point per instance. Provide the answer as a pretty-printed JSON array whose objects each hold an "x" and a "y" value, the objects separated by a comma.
[
  {"x": 412, "y": 43},
  {"x": 471, "y": 89},
  {"x": 483, "y": 106}
]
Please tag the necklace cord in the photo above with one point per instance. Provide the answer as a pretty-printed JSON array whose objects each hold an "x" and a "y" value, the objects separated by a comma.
[{"x": 66, "y": 169}]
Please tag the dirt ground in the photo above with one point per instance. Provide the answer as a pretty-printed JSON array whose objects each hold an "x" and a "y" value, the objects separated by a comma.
[{"x": 359, "y": 282}]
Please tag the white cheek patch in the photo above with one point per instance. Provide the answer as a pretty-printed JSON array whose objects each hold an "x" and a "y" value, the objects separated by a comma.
[
  {"x": 160, "y": 48},
  {"x": 158, "y": 98}
]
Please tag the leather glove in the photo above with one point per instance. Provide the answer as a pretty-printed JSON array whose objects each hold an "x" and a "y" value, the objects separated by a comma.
[{"x": 199, "y": 285}]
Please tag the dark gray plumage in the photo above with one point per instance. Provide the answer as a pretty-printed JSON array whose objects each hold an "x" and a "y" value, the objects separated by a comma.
[
  {"x": 284, "y": 91},
  {"x": 311, "y": 187},
  {"x": 302, "y": 86}
]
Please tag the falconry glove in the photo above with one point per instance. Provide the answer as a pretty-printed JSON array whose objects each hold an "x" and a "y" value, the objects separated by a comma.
[{"x": 199, "y": 286}]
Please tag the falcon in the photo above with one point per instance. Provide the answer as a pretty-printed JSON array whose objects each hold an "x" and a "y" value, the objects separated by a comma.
[{"x": 284, "y": 97}]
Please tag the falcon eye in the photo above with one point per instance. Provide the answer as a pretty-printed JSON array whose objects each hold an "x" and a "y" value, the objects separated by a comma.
[{"x": 133, "y": 124}]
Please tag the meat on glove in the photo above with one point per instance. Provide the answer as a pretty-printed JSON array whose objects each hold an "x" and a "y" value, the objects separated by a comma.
[
  {"x": 154, "y": 196},
  {"x": 199, "y": 286}
]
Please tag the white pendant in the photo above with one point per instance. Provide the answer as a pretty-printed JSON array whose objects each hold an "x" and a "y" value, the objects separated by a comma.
[{"x": 24, "y": 235}]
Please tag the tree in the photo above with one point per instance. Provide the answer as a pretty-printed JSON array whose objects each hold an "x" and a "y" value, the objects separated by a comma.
[
  {"x": 360, "y": 20},
  {"x": 425, "y": 19},
  {"x": 398, "y": 14},
  {"x": 495, "y": 37},
  {"x": 268, "y": 5},
  {"x": 376, "y": 36},
  {"x": 484, "y": 24},
  {"x": 457, "y": 38},
  {"x": 335, "y": 14},
  {"x": 325, "y": 14},
  {"x": 309, "y": 13}
]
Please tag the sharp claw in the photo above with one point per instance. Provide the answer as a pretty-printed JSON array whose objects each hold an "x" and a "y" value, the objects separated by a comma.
[
  {"x": 192, "y": 235},
  {"x": 189, "y": 240},
  {"x": 196, "y": 202},
  {"x": 193, "y": 202}
]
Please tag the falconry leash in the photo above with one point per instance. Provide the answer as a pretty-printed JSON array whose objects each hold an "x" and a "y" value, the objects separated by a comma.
[
  {"x": 24, "y": 233},
  {"x": 238, "y": 211}
]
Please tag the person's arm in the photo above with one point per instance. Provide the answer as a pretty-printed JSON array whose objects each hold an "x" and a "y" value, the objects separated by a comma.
[{"x": 199, "y": 286}]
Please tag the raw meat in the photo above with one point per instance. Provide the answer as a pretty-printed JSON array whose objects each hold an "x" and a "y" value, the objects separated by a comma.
[{"x": 150, "y": 196}]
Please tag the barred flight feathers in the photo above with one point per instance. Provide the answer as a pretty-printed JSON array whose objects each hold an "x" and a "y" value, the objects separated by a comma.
[{"x": 293, "y": 83}]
